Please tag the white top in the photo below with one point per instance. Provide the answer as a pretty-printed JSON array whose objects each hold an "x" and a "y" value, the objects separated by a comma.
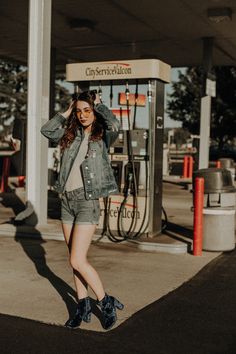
[{"x": 74, "y": 180}]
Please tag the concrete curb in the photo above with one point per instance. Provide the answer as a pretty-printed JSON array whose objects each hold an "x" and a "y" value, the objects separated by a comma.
[{"x": 9, "y": 230}]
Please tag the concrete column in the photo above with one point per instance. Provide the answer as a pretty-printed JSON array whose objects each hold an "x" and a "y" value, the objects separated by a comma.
[
  {"x": 208, "y": 43},
  {"x": 38, "y": 105},
  {"x": 204, "y": 132},
  {"x": 52, "y": 83},
  {"x": 156, "y": 128},
  {"x": 205, "y": 119}
]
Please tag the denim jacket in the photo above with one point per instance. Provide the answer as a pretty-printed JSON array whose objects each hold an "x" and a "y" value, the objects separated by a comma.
[{"x": 97, "y": 174}]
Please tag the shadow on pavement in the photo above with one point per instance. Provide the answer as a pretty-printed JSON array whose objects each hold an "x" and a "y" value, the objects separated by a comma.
[
  {"x": 34, "y": 250},
  {"x": 179, "y": 233},
  {"x": 181, "y": 230},
  {"x": 198, "y": 318}
]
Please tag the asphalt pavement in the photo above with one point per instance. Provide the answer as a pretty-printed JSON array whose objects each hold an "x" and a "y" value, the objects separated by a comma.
[
  {"x": 174, "y": 303},
  {"x": 198, "y": 317}
]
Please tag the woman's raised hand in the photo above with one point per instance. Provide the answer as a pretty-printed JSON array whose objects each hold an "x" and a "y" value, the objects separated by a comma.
[
  {"x": 67, "y": 113},
  {"x": 97, "y": 99}
]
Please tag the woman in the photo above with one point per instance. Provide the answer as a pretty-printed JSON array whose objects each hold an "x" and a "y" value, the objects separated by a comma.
[{"x": 85, "y": 132}]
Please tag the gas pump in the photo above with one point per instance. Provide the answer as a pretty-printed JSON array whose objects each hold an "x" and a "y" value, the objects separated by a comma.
[{"x": 134, "y": 91}]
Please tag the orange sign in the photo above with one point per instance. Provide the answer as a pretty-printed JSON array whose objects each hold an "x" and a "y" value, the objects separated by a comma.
[{"x": 141, "y": 99}]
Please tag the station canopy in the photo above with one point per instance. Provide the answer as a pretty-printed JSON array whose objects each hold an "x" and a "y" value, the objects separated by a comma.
[{"x": 99, "y": 30}]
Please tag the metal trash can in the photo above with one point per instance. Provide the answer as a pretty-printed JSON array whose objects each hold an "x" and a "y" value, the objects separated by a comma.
[
  {"x": 229, "y": 165},
  {"x": 219, "y": 209}
]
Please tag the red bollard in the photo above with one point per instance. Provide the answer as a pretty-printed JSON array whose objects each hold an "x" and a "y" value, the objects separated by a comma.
[
  {"x": 21, "y": 181},
  {"x": 198, "y": 216},
  {"x": 218, "y": 164},
  {"x": 5, "y": 174},
  {"x": 185, "y": 167},
  {"x": 190, "y": 167}
]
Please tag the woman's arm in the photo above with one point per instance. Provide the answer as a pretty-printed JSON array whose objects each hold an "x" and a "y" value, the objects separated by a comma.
[
  {"x": 110, "y": 121},
  {"x": 53, "y": 129}
]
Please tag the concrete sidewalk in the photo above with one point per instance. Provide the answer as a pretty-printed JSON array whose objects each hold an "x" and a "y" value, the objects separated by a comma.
[{"x": 36, "y": 280}]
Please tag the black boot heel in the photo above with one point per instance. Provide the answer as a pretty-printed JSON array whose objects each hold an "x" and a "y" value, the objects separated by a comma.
[
  {"x": 118, "y": 304},
  {"x": 83, "y": 313},
  {"x": 108, "y": 307}
]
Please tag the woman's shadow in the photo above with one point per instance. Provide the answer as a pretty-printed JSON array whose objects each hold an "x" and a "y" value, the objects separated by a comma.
[{"x": 26, "y": 220}]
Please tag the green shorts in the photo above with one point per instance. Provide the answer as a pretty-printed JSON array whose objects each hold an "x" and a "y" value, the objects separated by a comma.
[{"x": 75, "y": 209}]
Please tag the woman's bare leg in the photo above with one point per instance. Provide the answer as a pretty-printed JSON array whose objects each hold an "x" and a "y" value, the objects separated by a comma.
[
  {"x": 80, "y": 284},
  {"x": 81, "y": 240}
]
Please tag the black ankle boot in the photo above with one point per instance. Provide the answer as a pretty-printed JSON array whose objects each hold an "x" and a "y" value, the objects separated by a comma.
[
  {"x": 108, "y": 307},
  {"x": 83, "y": 313}
]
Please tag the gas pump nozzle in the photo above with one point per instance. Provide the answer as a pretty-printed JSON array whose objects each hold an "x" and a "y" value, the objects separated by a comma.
[
  {"x": 100, "y": 91},
  {"x": 127, "y": 191},
  {"x": 111, "y": 93},
  {"x": 149, "y": 93},
  {"x": 127, "y": 91}
]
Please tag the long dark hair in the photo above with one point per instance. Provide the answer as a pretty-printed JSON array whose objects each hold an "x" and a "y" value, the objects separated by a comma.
[{"x": 73, "y": 123}]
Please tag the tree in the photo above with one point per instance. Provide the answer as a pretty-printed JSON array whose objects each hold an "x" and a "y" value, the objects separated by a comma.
[
  {"x": 185, "y": 100},
  {"x": 181, "y": 136},
  {"x": 223, "y": 122},
  {"x": 13, "y": 95}
]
